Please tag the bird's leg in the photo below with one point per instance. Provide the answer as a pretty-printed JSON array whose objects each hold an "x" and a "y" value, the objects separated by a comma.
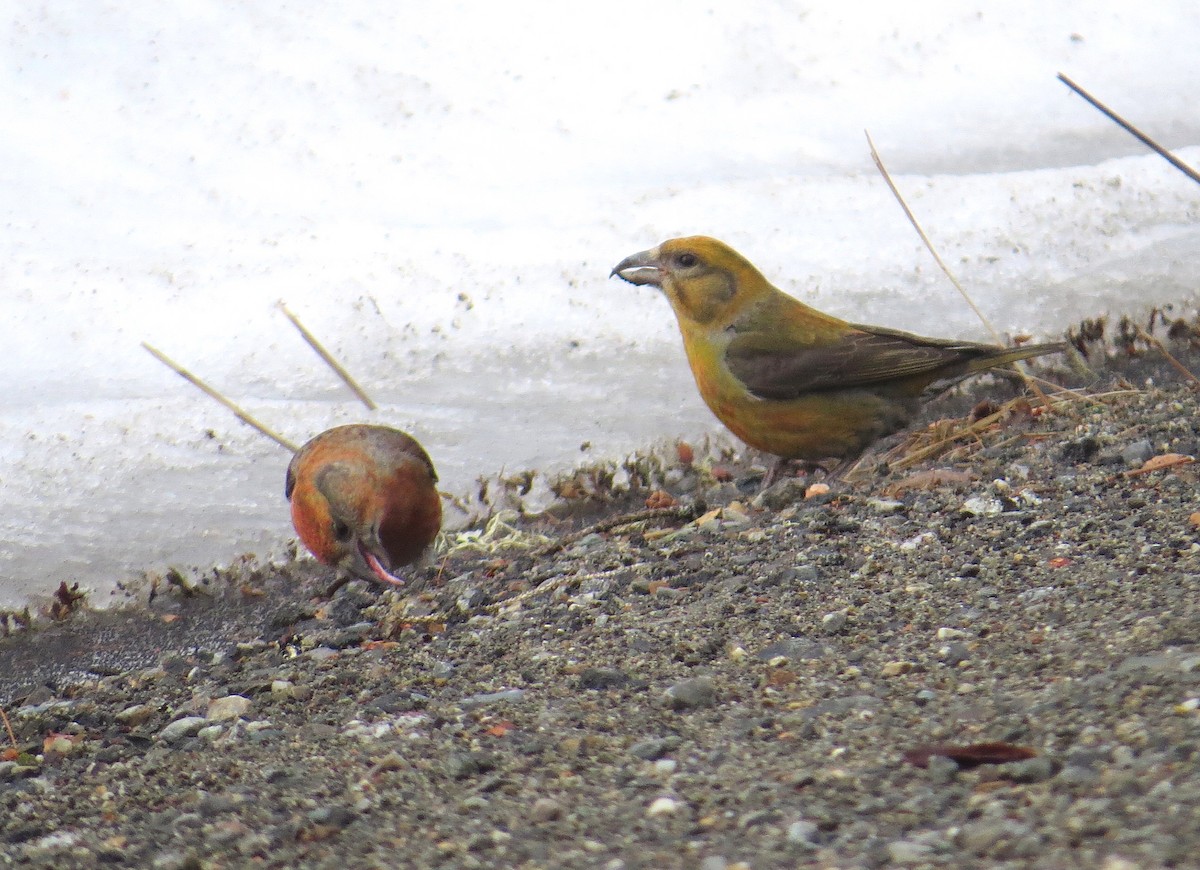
[
  {"x": 337, "y": 584},
  {"x": 773, "y": 472}
]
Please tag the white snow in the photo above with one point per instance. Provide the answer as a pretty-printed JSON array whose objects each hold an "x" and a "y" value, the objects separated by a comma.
[{"x": 440, "y": 190}]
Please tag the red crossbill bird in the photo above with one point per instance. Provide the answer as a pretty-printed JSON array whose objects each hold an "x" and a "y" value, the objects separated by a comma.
[
  {"x": 364, "y": 500},
  {"x": 791, "y": 380}
]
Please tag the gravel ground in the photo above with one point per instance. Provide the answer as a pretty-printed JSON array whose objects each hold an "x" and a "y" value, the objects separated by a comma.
[{"x": 734, "y": 690}]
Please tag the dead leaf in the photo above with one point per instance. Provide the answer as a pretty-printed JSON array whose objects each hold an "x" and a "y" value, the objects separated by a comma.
[
  {"x": 927, "y": 480},
  {"x": 1160, "y": 462},
  {"x": 659, "y": 499},
  {"x": 970, "y": 755}
]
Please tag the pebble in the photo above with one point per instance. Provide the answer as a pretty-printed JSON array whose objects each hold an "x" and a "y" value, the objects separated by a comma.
[
  {"x": 982, "y": 506},
  {"x": 1028, "y": 770},
  {"x": 486, "y": 698},
  {"x": 546, "y": 810},
  {"x": 228, "y": 707},
  {"x": 896, "y": 669},
  {"x": 602, "y": 678},
  {"x": 908, "y": 852},
  {"x": 1135, "y": 455},
  {"x": 135, "y": 715},
  {"x": 802, "y": 832},
  {"x": 663, "y": 806},
  {"x": 832, "y": 623},
  {"x": 654, "y": 748},
  {"x": 181, "y": 729},
  {"x": 691, "y": 694}
]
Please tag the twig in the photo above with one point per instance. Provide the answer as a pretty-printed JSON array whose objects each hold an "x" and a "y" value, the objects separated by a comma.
[
  {"x": 328, "y": 359},
  {"x": 686, "y": 512},
  {"x": 12, "y": 738},
  {"x": 1180, "y": 367},
  {"x": 1133, "y": 131},
  {"x": 212, "y": 393}
]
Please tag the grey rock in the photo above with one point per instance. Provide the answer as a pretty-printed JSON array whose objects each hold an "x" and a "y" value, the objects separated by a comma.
[
  {"x": 181, "y": 729},
  {"x": 1136, "y": 454},
  {"x": 691, "y": 694},
  {"x": 486, "y": 698}
]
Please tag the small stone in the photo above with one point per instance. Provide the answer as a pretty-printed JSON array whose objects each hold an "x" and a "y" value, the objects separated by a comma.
[
  {"x": 832, "y": 623},
  {"x": 885, "y": 505},
  {"x": 954, "y": 654},
  {"x": 1135, "y": 455},
  {"x": 229, "y": 707},
  {"x": 691, "y": 694},
  {"x": 602, "y": 678},
  {"x": 663, "y": 806},
  {"x": 665, "y": 766},
  {"x": 546, "y": 810},
  {"x": 282, "y": 688},
  {"x": 908, "y": 852},
  {"x": 135, "y": 715},
  {"x": 654, "y": 748},
  {"x": 491, "y": 698},
  {"x": 981, "y": 506},
  {"x": 802, "y": 832},
  {"x": 896, "y": 669},
  {"x": 781, "y": 494},
  {"x": 181, "y": 729},
  {"x": 947, "y": 633},
  {"x": 941, "y": 770},
  {"x": 1037, "y": 769}
]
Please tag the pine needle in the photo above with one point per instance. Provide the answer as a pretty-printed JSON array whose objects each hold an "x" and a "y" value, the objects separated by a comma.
[
  {"x": 238, "y": 412},
  {"x": 1133, "y": 131},
  {"x": 327, "y": 358}
]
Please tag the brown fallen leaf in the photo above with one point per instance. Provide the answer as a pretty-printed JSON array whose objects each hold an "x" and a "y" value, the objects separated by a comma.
[
  {"x": 970, "y": 755},
  {"x": 658, "y": 500},
  {"x": 1158, "y": 463},
  {"x": 927, "y": 480}
]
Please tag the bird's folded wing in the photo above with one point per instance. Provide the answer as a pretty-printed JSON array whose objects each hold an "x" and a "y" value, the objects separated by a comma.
[{"x": 771, "y": 370}]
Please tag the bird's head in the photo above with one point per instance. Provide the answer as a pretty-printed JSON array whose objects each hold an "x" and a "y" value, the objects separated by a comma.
[
  {"x": 364, "y": 500},
  {"x": 344, "y": 511},
  {"x": 706, "y": 281}
]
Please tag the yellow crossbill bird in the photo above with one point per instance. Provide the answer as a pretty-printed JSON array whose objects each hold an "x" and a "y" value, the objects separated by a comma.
[
  {"x": 364, "y": 500},
  {"x": 788, "y": 379}
]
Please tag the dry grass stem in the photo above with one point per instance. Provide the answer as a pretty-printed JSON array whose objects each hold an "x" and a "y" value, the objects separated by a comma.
[
  {"x": 941, "y": 264},
  {"x": 238, "y": 412},
  {"x": 1162, "y": 348},
  {"x": 328, "y": 358},
  {"x": 1133, "y": 131}
]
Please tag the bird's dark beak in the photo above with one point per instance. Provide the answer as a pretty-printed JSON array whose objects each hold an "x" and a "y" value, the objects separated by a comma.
[{"x": 641, "y": 268}]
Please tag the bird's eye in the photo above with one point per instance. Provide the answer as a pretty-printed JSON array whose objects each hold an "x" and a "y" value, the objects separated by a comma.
[
  {"x": 687, "y": 260},
  {"x": 341, "y": 531}
]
